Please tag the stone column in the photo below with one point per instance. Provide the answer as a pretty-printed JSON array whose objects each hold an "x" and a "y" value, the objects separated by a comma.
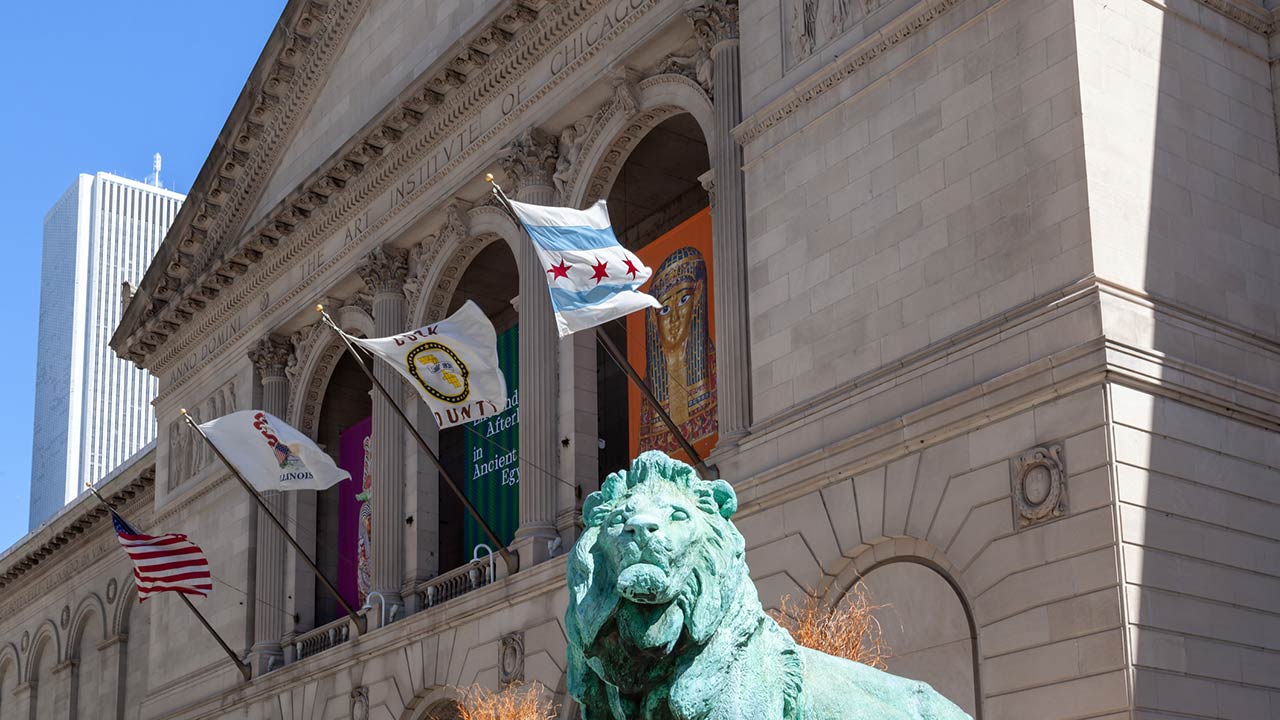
[
  {"x": 384, "y": 272},
  {"x": 270, "y": 356},
  {"x": 715, "y": 23},
  {"x": 64, "y": 693},
  {"x": 529, "y": 163}
]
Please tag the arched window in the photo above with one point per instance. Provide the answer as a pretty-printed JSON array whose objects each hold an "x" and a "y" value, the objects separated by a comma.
[
  {"x": 8, "y": 683},
  {"x": 660, "y": 211},
  {"x": 343, "y": 514},
  {"x": 136, "y": 654},
  {"x": 90, "y": 669},
  {"x": 481, "y": 456},
  {"x": 926, "y": 628}
]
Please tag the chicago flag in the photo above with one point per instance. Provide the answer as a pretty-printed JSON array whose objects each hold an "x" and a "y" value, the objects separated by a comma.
[{"x": 592, "y": 278}]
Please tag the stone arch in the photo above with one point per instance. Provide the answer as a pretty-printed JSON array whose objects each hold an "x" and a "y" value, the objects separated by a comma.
[
  {"x": 89, "y": 606},
  {"x": 10, "y": 660},
  {"x": 620, "y": 126},
  {"x": 124, "y": 603},
  {"x": 45, "y": 637},
  {"x": 460, "y": 243},
  {"x": 439, "y": 703},
  {"x": 317, "y": 351},
  {"x": 902, "y": 553}
]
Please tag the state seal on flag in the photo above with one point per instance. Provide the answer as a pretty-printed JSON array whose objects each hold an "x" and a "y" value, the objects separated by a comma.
[{"x": 439, "y": 371}]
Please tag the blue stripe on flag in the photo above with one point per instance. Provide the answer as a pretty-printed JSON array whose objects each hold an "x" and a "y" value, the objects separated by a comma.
[
  {"x": 572, "y": 237},
  {"x": 562, "y": 299}
]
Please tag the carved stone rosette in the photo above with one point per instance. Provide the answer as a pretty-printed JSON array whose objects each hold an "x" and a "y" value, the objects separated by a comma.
[
  {"x": 385, "y": 270},
  {"x": 530, "y": 159},
  {"x": 271, "y": 356},
  {"x": 1039, "y": 486},
  {"x": 511, "y": 661}
]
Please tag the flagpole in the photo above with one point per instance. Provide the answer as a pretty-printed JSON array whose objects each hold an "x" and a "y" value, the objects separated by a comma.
[
  {"x": 513, "y": 563},
  {"x": 621, "y": 361},
  {"x": 240, "y": 664},
  {"x": 359, "y": 621}
]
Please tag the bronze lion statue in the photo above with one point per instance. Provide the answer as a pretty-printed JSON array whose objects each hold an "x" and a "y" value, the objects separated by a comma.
[{"x": 664, "y": 622}]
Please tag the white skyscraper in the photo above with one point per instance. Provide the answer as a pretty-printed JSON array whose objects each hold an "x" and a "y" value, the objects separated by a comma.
[{"x": 92, "y": 408}]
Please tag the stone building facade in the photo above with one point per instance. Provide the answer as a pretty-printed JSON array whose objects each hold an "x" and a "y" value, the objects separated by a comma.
[{"x": 995, "y": 288}]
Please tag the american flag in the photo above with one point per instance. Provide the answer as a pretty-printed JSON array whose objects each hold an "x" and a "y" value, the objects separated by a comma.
[{"x": 164, "y": 563}]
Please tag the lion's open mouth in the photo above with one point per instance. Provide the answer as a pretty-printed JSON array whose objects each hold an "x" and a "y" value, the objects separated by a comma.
[{"x": 644, "y": 583}]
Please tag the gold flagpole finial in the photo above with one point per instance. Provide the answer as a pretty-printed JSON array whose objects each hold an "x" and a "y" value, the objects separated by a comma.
[
  {"x": 182, "y": 411},
  {"x": 488, "y": 177},
  {"x": 319, "y": 308}
]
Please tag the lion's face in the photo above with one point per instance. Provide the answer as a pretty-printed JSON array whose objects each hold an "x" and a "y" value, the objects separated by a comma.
[{"x": 647, "y": 539}]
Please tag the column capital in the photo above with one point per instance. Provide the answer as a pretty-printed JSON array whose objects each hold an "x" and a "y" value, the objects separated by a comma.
[
  {"x": 530, "y": 159},
  {"x": 271, "y": 356},
  {"x": 385, "y": 270},
  {"x": 714, "y": 21}
]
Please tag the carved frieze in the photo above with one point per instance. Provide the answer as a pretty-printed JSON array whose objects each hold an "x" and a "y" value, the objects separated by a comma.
[
  {"x": 188, "y": 454},
  {"x": 1039, "y": 486},
  {"x": 811, "y": 24}
]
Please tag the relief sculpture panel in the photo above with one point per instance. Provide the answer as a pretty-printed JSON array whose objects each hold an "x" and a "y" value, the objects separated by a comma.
[{"x": 188, "y": 455}]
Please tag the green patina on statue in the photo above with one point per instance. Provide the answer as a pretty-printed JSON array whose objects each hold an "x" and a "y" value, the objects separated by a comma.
[{"x": 664, "y": 622}]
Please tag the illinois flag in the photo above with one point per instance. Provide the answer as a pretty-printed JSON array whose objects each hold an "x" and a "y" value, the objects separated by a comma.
[
  {"x": 270, "y": 454},
  {"x": 592, "y": 278},
  {"x": 453, "y": 365}
]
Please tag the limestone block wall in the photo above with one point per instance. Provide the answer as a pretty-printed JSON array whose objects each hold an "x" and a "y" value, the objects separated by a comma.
[
  {"x": 1180, "y": 131},
  {"x": 1045, "y": 600},
  {"x": 938, "y": 185},
  {"x": 1199, "y": 512}
]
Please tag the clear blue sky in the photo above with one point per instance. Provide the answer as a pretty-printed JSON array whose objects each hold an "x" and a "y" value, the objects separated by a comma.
[{"x": 89, "y": 86}]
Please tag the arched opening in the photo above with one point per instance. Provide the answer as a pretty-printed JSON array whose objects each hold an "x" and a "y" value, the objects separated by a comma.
[
  {"x": 442, "y": 710},
  {"x": 482, "y": 456},
  {"x": 8, "y": 684},
  {"x": 136, "y": 655},
  {"x": 342, "y": 513},
  {"x": 927, "y": 628},
  {"x": 660, "y": 211},
  {"x": 90, "y": 669},
  {"x": 45, "y": 699}
]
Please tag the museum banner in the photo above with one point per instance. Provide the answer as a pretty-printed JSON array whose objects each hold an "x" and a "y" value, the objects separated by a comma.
[{"x": 673, "y": 346}]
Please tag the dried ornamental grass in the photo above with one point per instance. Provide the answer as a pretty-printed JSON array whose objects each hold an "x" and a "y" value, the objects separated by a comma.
[
  {"x": 848, "y": 630},
  {"x": 516, "y": 702}
]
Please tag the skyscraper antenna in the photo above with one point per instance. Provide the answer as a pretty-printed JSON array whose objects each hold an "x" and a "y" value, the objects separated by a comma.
[{"x": 156, "y": 166}]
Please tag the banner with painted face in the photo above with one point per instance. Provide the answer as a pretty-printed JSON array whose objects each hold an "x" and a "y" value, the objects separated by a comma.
[
  {"x": 453, "y": 364},
  {"x": 673, "y": 346}
]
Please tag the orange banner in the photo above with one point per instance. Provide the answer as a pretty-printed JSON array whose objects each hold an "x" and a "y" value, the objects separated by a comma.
[{"x": 674, "y": 348}]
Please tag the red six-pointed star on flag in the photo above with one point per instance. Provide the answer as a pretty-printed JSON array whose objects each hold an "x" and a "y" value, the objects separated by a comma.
[
  {"x": 559, "y": 271},
  {"x": 631, "y": 269},
  {"x": 600, "y": 271}
]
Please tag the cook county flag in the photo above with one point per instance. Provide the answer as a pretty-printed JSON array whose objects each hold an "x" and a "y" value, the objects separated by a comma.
[
  {"x": 270, "y": 454},
  {"x": 453, "y": 365},
  {"x": 592, "y": 278}
]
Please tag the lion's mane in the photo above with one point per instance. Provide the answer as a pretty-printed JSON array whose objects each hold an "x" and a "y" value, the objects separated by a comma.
[{"x": 716, "y": 600}]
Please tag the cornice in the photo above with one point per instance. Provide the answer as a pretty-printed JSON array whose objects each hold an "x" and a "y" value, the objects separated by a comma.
[
  {"x": 454, "y": 100},
  {"x": 194, "y": 263},
  {"x": 131, "y": 489}
]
